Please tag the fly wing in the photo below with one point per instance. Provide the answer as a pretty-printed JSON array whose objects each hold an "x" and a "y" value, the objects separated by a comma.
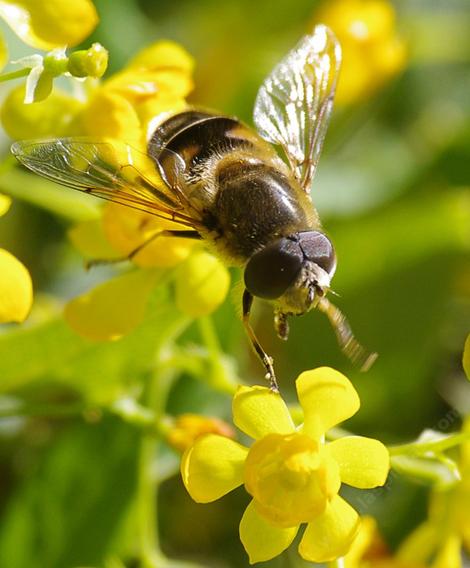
[
  {"x": 294, "y": 104},
  {"x": 112, "y": 171}
]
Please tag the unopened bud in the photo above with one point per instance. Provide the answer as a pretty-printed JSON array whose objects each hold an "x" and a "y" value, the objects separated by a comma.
[
  {"x": 188, "y": 427},
  {"x": 88, "y": 62}
]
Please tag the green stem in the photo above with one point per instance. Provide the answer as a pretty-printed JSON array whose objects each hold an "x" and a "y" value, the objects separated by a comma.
[
  {"x": 420, "y": 448},
  {"x": 147, "y": 492},
  {"x": 47, "y": 410},
  {"x": 14, "y": 74},
  {"x": 219, "y": 378}
]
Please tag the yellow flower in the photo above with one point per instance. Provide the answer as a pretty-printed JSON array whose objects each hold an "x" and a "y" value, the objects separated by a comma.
[
  {"x": 123, "y": 109},
  {"x": 373, "y": 52},
  {"x": 293, "y": 476},
  {"x": 50, "y": 23},
  {"x": 51, "y": 117},
  {"x": 370, "y": 551},
  {"x": 126, "y": 229},
  {"x": 16, "y": 289},
  {"x": 438, "y": 541},
  {"x": 157, "y": 80},
  {"x": 188, "y": 427}
]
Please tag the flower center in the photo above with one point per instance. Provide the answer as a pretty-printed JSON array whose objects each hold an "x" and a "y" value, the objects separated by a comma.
[{"x": 291, "y": 478}]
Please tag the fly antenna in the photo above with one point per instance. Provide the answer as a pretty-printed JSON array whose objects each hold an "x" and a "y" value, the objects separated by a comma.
[{"x": 348, "y": 343}]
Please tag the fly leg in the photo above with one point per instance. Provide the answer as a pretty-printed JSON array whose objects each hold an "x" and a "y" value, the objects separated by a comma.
[
  {"x": 167, "y": 233},
  {"x": 265, "y": 358}
]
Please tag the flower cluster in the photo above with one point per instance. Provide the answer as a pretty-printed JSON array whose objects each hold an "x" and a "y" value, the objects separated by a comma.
[
  {"x": 292, "y": 474},
  {"x": 373, "y": 52},
  {"x": 122, "y": 108}
]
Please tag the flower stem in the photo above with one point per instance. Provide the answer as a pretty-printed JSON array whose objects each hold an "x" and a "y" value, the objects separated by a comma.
[
  {"x": 147, "y": 491},
  {"x": 14, "y": 74},
  {"x": 47, "y": 410},
  {"x": 219, "y": 376},
  {"x": 439, "y": 445}
]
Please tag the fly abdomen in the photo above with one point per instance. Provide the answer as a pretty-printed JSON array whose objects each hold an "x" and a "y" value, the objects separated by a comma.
[{"x": 196, "y": 136}]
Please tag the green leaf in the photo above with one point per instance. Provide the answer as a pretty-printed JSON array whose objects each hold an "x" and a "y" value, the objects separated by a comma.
[{"x": 67, "y": 512}]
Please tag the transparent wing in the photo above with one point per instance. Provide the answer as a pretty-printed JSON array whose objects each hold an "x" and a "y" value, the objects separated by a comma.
[
  {"x": 293, "y": 105},
  {"x": 113, "y": 171}
]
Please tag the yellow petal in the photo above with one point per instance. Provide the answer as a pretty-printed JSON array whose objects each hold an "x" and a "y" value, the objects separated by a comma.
[
  {"x": 137, "y": 86},
  {"x": 450, "y": 555},
  {"x": 327, "y": 398},
  {"x": 3, "y": 52},
  {"x": 112, "y": 309},
  {"x": 263, "y": 541},
  {"x": 109, "y": 115},
  {"x": 16, "y": 289},
  {"x": 367, "y": 539},
  {"x": 212, "y": 467},
  {"x": 89, "y": 239},
  {"x": 363, "y": 462},
  {"x": 127, "y": 228},
  {"x": 330, "y": 535},
  {"x": 163, "y": 54},
  {"x": 201, "y": 284},
  {"x": 466, "y": 357},
  {"x": 51, "y": 117},
  {"x": 50, "y": 23},
  {"x": 259, "y": 411},
  {"x": 5, "y": 203},
  {"x": 421, "y": 544}
]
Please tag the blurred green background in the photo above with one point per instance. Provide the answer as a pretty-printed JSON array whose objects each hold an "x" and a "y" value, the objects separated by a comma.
[{"x": 393, "y": 193}]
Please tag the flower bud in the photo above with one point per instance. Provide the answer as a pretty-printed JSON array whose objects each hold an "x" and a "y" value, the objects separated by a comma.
[
  {"x": 188, "y": 427},
  {"x": 89, "y": 62}
]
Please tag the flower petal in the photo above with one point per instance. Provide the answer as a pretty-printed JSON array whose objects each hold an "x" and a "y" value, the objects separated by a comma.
[
  {"x": 5, "y": 203},
  {"x": 16, "y": 289},
  {"x": 263, "y": 541},
  {"x": 113, "y": 308},
  {"x": 3, "y": 52},
  {"x": 363, "y": 462},
  {"x": 51, "y": 117},
  {"x": 109, "y": 115},
  {"x": 327, "y": 398},
  {"x": 89, "y": 239},
  {"x": 161, "y": 55},
  {"x": 50, "y": 23},
  {"x": 421, "y": 544},
  {"x": 201, "y": 284},
  {"x": 330, "y": 535},
  {"x": 450, "y": 553},
  {"x": 259, "y": 411},
  {"x": 212, "y": 467},
  {"x": 127, "y": 229}
]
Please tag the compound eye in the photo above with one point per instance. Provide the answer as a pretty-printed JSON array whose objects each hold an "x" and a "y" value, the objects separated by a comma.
[
  {"x": 317, "y": 248},
  {"x": 273, "y": 269}
]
